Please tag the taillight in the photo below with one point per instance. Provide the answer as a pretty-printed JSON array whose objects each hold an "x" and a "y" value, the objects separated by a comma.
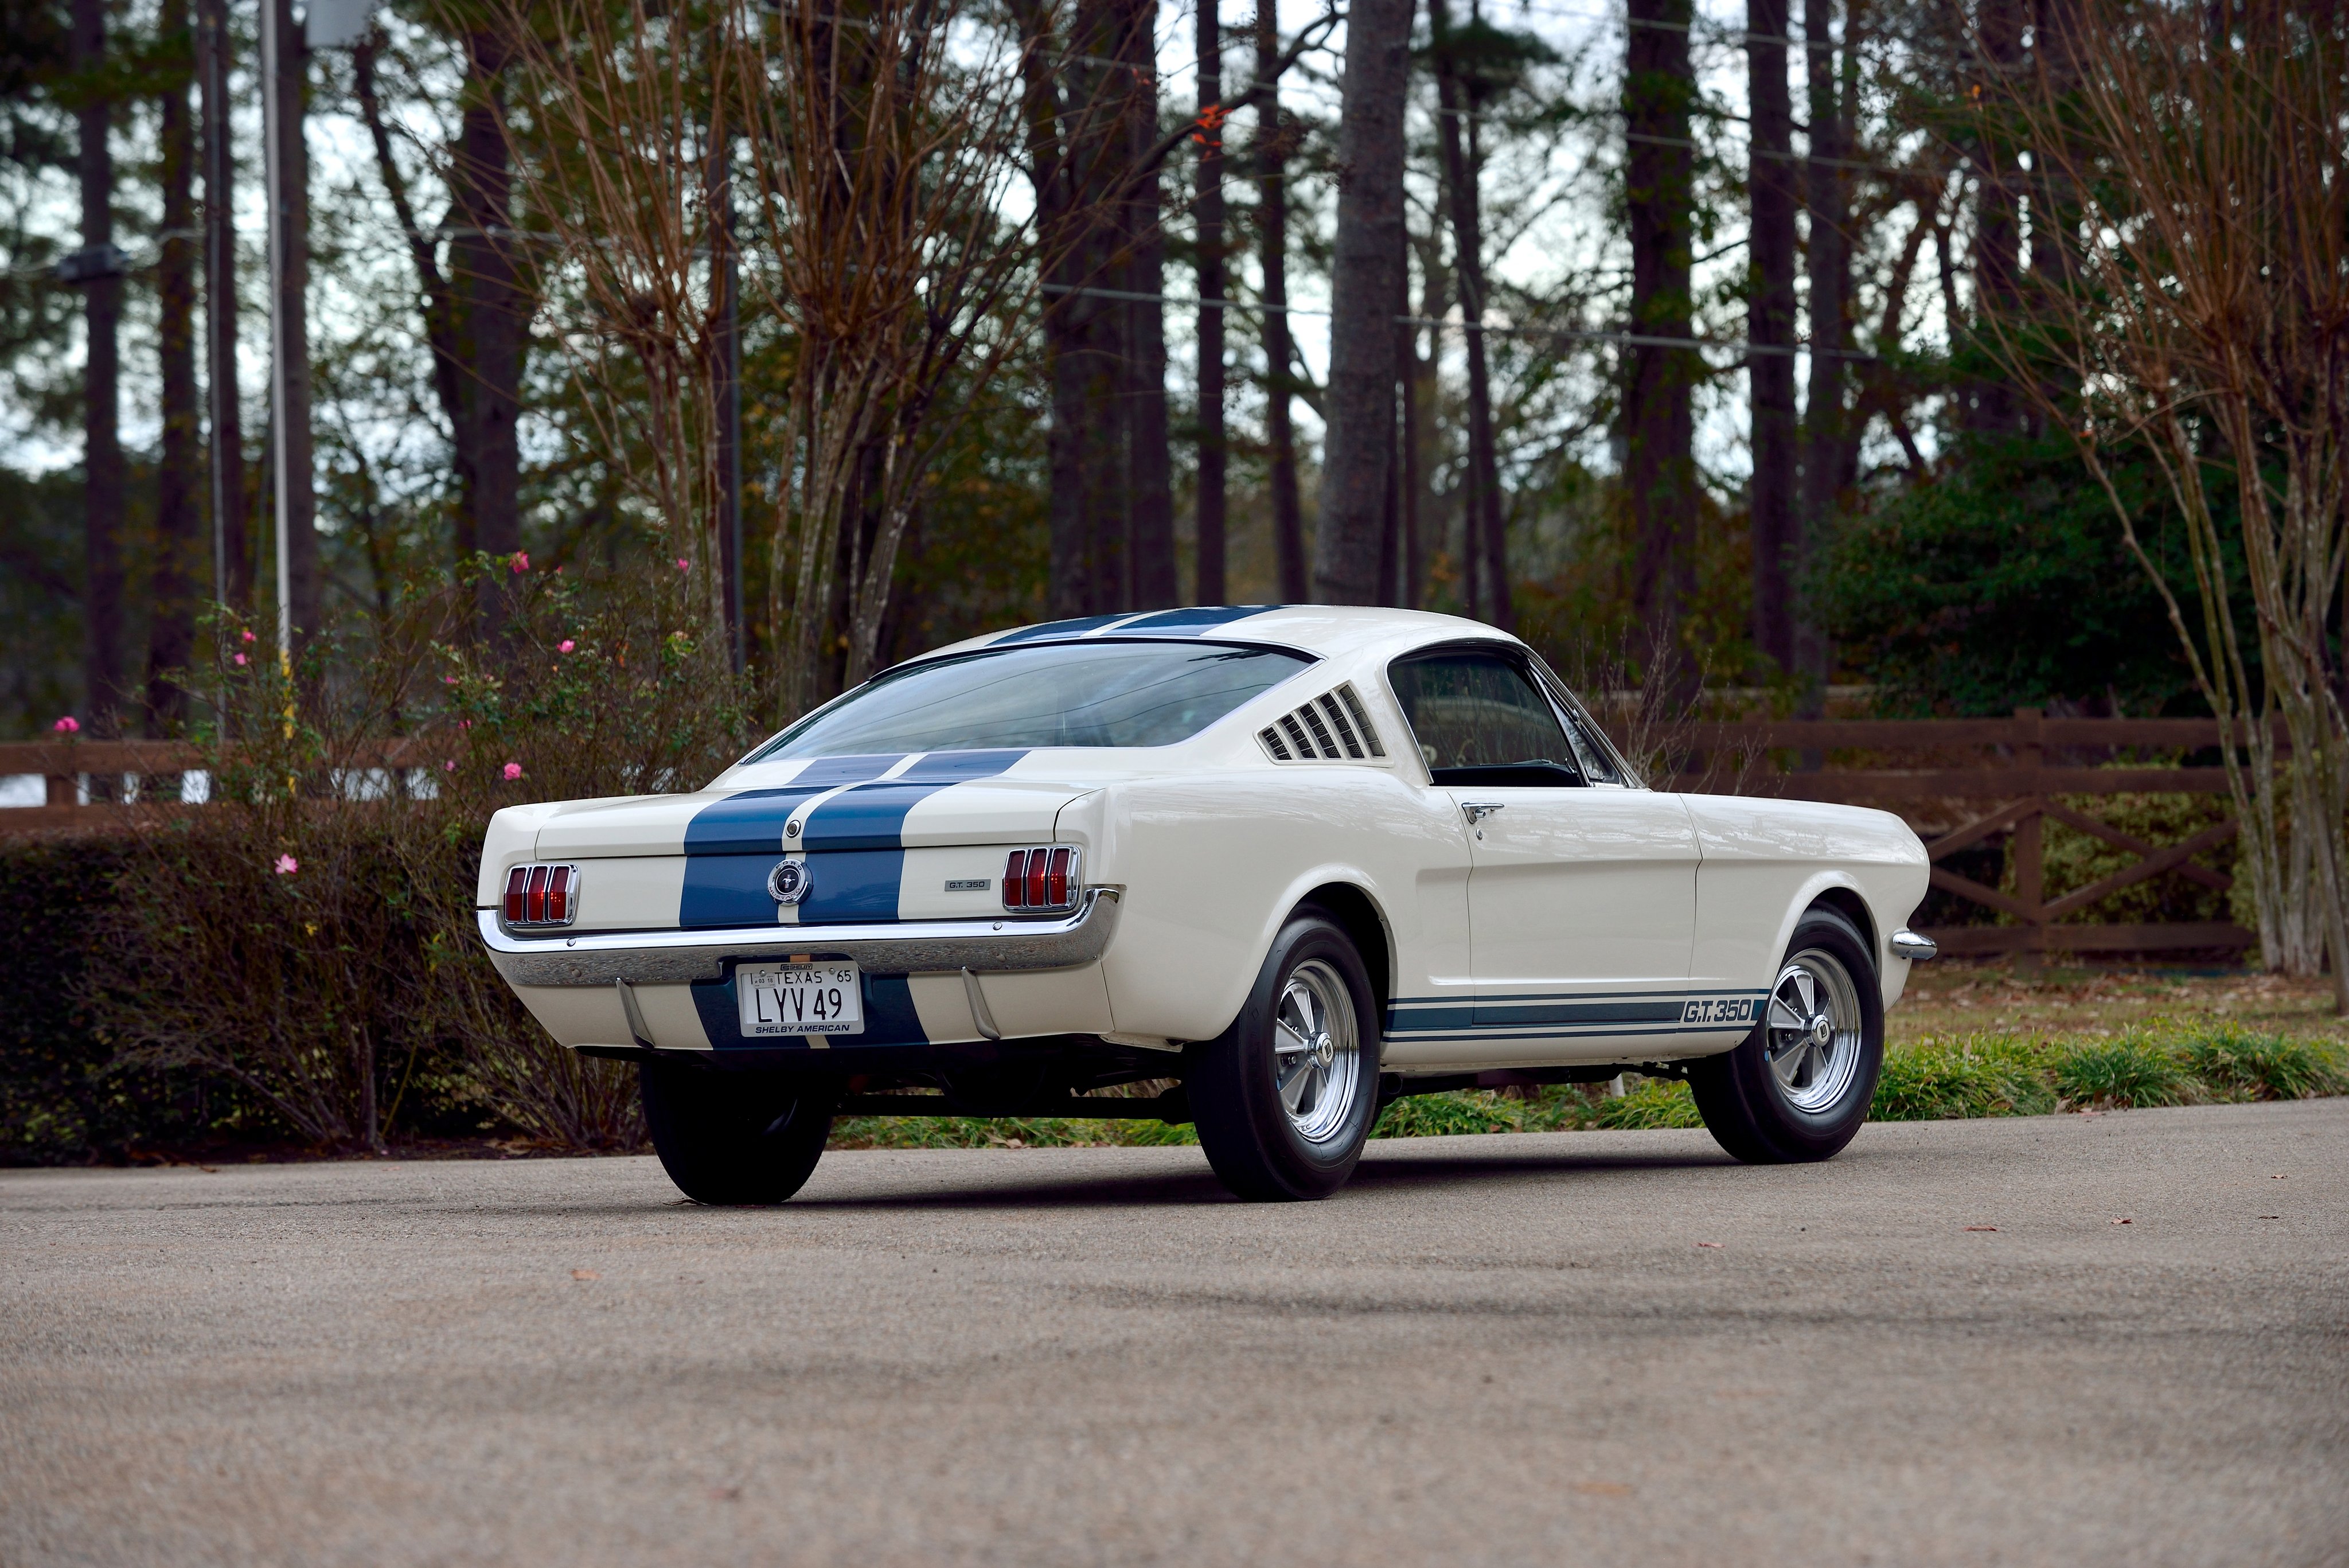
[
  {"x": 541, "y": 895},
  {"x": 1045, "y": 879}
]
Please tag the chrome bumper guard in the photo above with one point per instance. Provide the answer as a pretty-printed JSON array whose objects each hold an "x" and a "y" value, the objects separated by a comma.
[
  {"x": 907, "y": 947},
  {"x": 1916, "y": 948}
]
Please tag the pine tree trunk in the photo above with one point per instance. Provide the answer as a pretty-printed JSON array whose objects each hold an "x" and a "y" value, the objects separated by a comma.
[
  {"x": 1271, "y": 153},
  {"x": 232, "y": 547},
  {"x": 1770, "y": 326},
  {"x": 1998, "y": 222},
  {"x": 1462, "y": 174},
  {"x": 179, "y": 521},
  {"x": 103, "y": 694},
  {"x": 489, "y": 315},
  {"x": 1660, "y": 470},
  {"x": 1349, "y": 566},
  {"x": 1150, "y": 488},
  {"x": 1830, "y": 322},
  {"x": 1211, "y": 519}
]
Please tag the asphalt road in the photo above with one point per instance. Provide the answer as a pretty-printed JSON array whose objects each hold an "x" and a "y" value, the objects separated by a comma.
[{"x": 1567, "y": 1349}]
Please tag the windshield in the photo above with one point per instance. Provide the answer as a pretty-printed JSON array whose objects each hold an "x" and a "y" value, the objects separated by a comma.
[{"x": 1059, "y": 694}]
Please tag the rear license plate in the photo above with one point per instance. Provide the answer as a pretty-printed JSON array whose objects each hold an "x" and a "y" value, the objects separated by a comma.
[{"x": 800, "y": 999}]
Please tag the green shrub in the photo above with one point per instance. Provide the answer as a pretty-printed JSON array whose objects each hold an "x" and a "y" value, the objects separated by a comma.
[
  {"x": 63, "y": 1097},
  {"x": 1444, "y": 1115},
  {"x": 1651, "y": 1103},
  {"x": 1973, "y": 1076},
  {"x": 1003, "y": 1132},
  {"x": 2235, "y": 1063},
  {"x": 2131, "y": 1071}
]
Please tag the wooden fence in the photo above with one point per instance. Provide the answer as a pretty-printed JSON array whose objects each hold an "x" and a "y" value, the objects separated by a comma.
[
  {"x": 2003, "y": 784},
  {"x": 1959, "y": 782}
]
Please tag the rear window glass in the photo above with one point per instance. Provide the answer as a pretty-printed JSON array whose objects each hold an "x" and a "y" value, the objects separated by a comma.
[{"x": 1098, "y": 693}]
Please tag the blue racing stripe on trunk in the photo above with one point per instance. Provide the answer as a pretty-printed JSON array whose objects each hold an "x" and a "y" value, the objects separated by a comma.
[
  {"x": 731, "y": 845},
  {"x": 752, "y": 821},
  {"x": 873, "y": 816},
  {"x": 726, "y": 891},
  {"x": 855, "y": 841},
  {"x": 852, "y": 885}
]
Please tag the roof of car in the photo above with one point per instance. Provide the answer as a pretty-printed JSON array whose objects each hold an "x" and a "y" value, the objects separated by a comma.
[{"x": 1324, "y": 630}]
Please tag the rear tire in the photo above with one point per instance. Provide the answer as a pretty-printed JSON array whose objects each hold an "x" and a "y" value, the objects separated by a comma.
[
  {"x": 1799, "y": 1086},
  {"x": 1284, "y": 1099},
  {"x": 731, "y": 1138}
]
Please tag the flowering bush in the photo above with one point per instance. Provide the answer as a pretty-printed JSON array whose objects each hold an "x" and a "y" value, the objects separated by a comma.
[{"x": 309, "y": 934}]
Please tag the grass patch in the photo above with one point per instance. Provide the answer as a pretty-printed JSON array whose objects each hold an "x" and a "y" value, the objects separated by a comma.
[{"x": 1943, "y": 1077}]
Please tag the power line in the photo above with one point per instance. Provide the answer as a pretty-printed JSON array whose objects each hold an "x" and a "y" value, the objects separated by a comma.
[{"x": 1577, "y": 334}]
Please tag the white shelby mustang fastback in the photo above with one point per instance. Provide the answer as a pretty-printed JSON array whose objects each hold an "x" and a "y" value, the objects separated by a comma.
[{"x": 1302, "y": 860}]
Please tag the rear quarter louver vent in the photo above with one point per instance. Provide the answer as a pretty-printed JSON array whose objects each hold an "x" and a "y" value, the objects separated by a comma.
[{"x": 1334, "y": 727}]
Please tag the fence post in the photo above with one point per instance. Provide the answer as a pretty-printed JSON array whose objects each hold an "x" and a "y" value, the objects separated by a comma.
[{"x": 2027, "y": 845}]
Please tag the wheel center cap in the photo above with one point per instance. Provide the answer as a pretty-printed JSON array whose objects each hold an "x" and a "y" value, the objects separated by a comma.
[
  {"x": 1325, "y": 1050},
  {"x": 1822, "y": 1031}
]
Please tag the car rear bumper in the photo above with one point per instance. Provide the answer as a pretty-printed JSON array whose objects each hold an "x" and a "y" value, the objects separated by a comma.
[{"x": 909, "y": 947}]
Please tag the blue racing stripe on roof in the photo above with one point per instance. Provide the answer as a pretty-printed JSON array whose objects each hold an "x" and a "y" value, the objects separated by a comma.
[
  {"x": 1081, "y": 625},
  {"x": 1194, "y": 620}
]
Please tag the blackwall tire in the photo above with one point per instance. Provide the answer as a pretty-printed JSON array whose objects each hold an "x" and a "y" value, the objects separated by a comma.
[
  {"x": 1799, "y": 1086},
  {"x": 734, "y": 1139},
  {"x": 1285, "y": 1098}
]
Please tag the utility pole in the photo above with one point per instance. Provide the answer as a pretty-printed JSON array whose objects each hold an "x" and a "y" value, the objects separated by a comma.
[{"x": 283, "y": 69}]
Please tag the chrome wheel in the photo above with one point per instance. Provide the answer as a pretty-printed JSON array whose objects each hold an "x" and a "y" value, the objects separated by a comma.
[
  {"x": 1316, "y": 1050},
  {"x": 1815, "y": 1040}
]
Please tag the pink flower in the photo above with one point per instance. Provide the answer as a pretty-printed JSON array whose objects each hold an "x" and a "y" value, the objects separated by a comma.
[
  {"x": 448, "y": 681},
  {"x": 68, "y": 725},
  {"x": 683, "y": 565},
  {"x": 287, "y": 865},
  {"x": 519, "y": 563},
  {"x": 566, "y": 646},
  {"x": 451, "y": 764},
  {"x": 464, "y": 723},
  {"x": 247, "y": 636},
  {"x": 513, "y": 771},
  {"x": 240, "y": 658}
]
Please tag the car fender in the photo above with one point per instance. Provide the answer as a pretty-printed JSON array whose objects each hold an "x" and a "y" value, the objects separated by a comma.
[{"x": 1209, "y": 867}]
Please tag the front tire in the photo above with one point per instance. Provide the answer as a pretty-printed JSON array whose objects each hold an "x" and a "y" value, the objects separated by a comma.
[
  {"x": 1284, "y": 1099},
  {"x": 1799, "y": 1086},
  {"x": 734, "y": 1139}
]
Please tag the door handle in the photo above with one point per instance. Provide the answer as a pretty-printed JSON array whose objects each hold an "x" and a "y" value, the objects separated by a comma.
[{"x": 1476, "y": 811}]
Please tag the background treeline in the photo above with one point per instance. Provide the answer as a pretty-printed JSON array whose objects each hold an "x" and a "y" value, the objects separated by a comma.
[
  {"x": 665, "y": 368},
  {"x": 1014, "y": 407}
]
